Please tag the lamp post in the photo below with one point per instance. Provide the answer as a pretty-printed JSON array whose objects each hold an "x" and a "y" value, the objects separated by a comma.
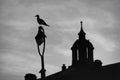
[{"x": 40, "y": 39}]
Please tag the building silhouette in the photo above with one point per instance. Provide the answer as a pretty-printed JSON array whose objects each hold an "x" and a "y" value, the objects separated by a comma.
[
  {"x": 83, "y": 66},
  {"x": 82, "y": 50}
]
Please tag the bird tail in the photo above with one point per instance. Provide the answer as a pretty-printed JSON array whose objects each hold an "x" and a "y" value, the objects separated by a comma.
[{"x": 48, "y": 25}]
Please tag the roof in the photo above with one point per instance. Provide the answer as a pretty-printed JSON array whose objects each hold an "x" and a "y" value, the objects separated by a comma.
[
  {"x": 78, "y": 43},
  {"x": 108, "y": 72}
]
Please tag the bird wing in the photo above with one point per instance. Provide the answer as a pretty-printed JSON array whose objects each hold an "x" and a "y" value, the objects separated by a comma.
[{"x": 43, "y": 22}]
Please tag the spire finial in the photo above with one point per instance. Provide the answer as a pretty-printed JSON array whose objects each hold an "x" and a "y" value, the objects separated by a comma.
[
  {"x": 81, "y": 31},
  {"x": 81, "y": 26},
  {"x": 81, "y": 23}
]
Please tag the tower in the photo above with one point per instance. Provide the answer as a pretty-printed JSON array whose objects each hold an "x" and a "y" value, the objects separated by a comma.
[{"x": 82, "y": 50}]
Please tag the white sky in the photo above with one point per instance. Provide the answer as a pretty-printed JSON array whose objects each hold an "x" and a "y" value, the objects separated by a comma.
[{"x": 18, "y": 27}]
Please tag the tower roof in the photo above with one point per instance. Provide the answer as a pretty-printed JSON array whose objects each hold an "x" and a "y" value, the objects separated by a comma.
[{"x": 81, "y": 31}]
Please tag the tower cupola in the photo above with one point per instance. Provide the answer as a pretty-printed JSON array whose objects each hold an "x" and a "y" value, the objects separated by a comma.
[{"x": 82, "y": 50}]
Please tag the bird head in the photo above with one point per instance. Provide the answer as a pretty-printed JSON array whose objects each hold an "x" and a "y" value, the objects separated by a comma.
[{"x": 37, "y": 15}]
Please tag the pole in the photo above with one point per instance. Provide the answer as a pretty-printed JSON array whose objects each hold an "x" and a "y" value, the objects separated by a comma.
[
  {"x": 42, "y": 71},
  {"x": 40, "y": 39}
]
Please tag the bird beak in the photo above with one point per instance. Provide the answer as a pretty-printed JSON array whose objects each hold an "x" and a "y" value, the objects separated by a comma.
[{"x": 36, "y": 16}]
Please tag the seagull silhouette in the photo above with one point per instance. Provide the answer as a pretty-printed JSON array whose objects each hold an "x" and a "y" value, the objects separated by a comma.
[{"x": 41, "y": 21}]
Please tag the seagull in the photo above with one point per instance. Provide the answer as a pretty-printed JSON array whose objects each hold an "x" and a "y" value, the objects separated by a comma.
[{"x": 41, "y": 21}]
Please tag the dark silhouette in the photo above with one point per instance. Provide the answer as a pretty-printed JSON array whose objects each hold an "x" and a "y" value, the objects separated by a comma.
[
  {"x": 40, "y": 38},
  {"x": 40, "y": 35},
  {"x": 30, "y": 76},
  {"x": 41, "y": 21},
  {"x": 98, "y": 64},
  {"x": 83, "y": 66},
  {"x": 63, "y": 67},
  {"x": 82, "y": 50}
]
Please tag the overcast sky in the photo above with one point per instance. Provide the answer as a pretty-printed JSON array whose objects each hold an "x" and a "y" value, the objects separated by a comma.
[{"x": 18, "y": 27}]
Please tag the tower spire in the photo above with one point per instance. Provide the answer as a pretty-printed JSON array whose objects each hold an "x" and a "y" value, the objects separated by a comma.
[
  {"x": 81, "y": 31},
  {"x": 81, "y": 24}
]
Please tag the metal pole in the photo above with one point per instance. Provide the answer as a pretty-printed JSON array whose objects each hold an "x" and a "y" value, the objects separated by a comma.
[
  {"x": 42, "y": 71},
  {"x": 40, "y": 38},
  {"x": 39, "y": 50}
]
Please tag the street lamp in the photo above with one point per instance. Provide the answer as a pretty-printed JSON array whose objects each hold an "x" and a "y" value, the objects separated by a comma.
[{"x": 40, "y": 39}]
